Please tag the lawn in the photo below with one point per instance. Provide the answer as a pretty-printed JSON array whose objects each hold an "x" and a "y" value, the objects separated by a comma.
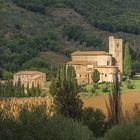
[{"x": 135, "y": 81}]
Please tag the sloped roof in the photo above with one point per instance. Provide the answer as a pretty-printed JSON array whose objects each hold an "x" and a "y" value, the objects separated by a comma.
[
  {"x": 80, "y": 53},
  {"x": 82, "y": 63},
  {"x": 28, "y": 72}
]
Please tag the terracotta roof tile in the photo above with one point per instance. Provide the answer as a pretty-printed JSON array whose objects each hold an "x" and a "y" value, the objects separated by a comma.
[
  {"x": 90, "y": 53},
  {"x": 82, "y": 63}
]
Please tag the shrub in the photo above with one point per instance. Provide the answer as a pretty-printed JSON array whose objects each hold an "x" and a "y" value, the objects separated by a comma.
[
  {"x": 129, "y": 84},
  {"x": 34, "y": 124},
  {"x": 125, "y": 131},
  {"x": 82, "y": 89},
  {"x": 96, "y": 76},
  {"x": 93, "y": 90},
  {"x": 7, "y": 75},
  {"x": 95, "y": 120},
  {"x": 106, "y": 88}
]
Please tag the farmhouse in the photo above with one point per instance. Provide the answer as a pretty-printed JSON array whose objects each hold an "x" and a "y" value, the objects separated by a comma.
[
  {"x": 107, "y": 63},
  {"x": 29, "y": 78}
]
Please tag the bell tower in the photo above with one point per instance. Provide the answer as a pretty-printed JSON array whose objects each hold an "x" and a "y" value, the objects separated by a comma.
[{"x": 116, "y": 49}]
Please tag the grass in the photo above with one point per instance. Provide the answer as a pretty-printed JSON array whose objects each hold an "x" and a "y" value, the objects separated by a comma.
[{"x": 135, "y": 82}]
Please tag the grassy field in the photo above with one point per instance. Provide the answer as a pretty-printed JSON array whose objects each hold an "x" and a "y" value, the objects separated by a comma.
[{"x": 135, "y": 82}]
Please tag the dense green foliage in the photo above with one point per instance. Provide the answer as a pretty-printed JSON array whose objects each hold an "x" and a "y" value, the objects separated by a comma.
[
  {"x": 95, "y": 120},
  {"x": 36, "y": 125},
  {"x": 21, "y": 53},
  {"x": 9, "y": 89},
  {"x": 109, "y": 15},
  {"x": 96, "y": 76},
  {"x": 64, "y": 88},
  {"x": 127, "y": 60},
  {"x": 25, "y": 34},
  {"x": 125, "y": 131},
  {"x": 78, "y": 34}
]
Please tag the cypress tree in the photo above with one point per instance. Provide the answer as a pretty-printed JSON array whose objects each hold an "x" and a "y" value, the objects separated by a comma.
[
  {"x": 64, "y": 88},
  {"x": 114, "y": 106},
  {"x": 96, "y": 76},
  {"x": 127, "y": 60}
]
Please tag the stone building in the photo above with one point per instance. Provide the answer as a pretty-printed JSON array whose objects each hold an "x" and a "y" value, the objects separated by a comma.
[
  {"x": 107, "y": 63},
  {"x": 29, "y": 78}
]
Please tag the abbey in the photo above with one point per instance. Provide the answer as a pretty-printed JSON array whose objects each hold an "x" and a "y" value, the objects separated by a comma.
[{"x": 107, "y": 63}]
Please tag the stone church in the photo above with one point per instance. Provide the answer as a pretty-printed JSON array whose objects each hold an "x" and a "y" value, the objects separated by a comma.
[{"x": 107, "y": 63}]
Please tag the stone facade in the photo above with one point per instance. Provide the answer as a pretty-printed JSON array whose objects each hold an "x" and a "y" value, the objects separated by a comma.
[
  {"x": 108, "y": 64},
  {"x": 28, "y": 78}
]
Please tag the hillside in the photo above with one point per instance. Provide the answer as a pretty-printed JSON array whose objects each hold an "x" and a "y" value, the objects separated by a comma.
[{"x": 28, "y": 28}]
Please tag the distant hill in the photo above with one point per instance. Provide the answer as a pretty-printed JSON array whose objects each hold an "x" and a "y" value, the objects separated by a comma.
[{"x": 61, "y": 27}]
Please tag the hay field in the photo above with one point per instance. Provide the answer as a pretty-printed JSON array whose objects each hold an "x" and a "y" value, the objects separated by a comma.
[{"x": 130, "y": 101}]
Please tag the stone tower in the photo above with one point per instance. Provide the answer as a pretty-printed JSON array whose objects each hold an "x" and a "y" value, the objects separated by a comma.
[{"x": 116, "y": 49}]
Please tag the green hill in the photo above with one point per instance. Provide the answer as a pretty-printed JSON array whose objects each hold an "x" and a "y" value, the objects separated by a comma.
[{"x": 59, "y": 27}]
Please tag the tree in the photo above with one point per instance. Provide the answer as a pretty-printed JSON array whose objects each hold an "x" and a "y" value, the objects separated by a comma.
[
  {"x": 127, "y": 60},
  {"x": 128, "y": 130},
  {"x": 96, "y": 76},
  {"x": 64, "y": 88},
  {"x": 114, "y": 106},
  {"x": 95, "y": 120}
]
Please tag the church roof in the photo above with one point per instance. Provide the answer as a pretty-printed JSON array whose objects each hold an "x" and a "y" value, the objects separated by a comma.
[
  {"x": 82, "y": 63},
  {"x": 80, "y": 53}
]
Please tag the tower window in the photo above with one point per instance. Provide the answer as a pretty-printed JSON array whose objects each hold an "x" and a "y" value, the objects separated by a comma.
[
  {"x": 108, "y": 62},
  {"x": 105, "y": 75}
]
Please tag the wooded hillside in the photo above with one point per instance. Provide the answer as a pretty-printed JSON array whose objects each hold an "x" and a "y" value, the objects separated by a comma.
[{"x": 30, "y": 27}]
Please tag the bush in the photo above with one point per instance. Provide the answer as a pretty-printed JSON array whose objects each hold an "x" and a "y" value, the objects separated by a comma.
[
  {"x": 129, "y": 84},
  {"x": 7, "y": 75},
  {"x": 82, "y": 88},
  {"x": 93, "y": 90},
  {"x": 106, "y": 88},
  {"x": 34, "y": 124},
  {"x": 95, "y": 120},
  {"x": 125, "y": 131}
]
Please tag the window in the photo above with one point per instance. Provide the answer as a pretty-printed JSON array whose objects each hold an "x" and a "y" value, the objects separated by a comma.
[
  {"x": 105, "y": 75},
  {"x": 108, "y": 62}
]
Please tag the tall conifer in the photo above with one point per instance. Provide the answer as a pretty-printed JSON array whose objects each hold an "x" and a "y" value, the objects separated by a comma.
[
  {"x": 127, "y": 60},
  {"x": 64, "y": 88}
]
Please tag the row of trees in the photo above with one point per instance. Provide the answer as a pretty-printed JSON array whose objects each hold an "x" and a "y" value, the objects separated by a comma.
[
  {"x": 9, "y": 89},
  {"x": 67, "y": 102}
]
